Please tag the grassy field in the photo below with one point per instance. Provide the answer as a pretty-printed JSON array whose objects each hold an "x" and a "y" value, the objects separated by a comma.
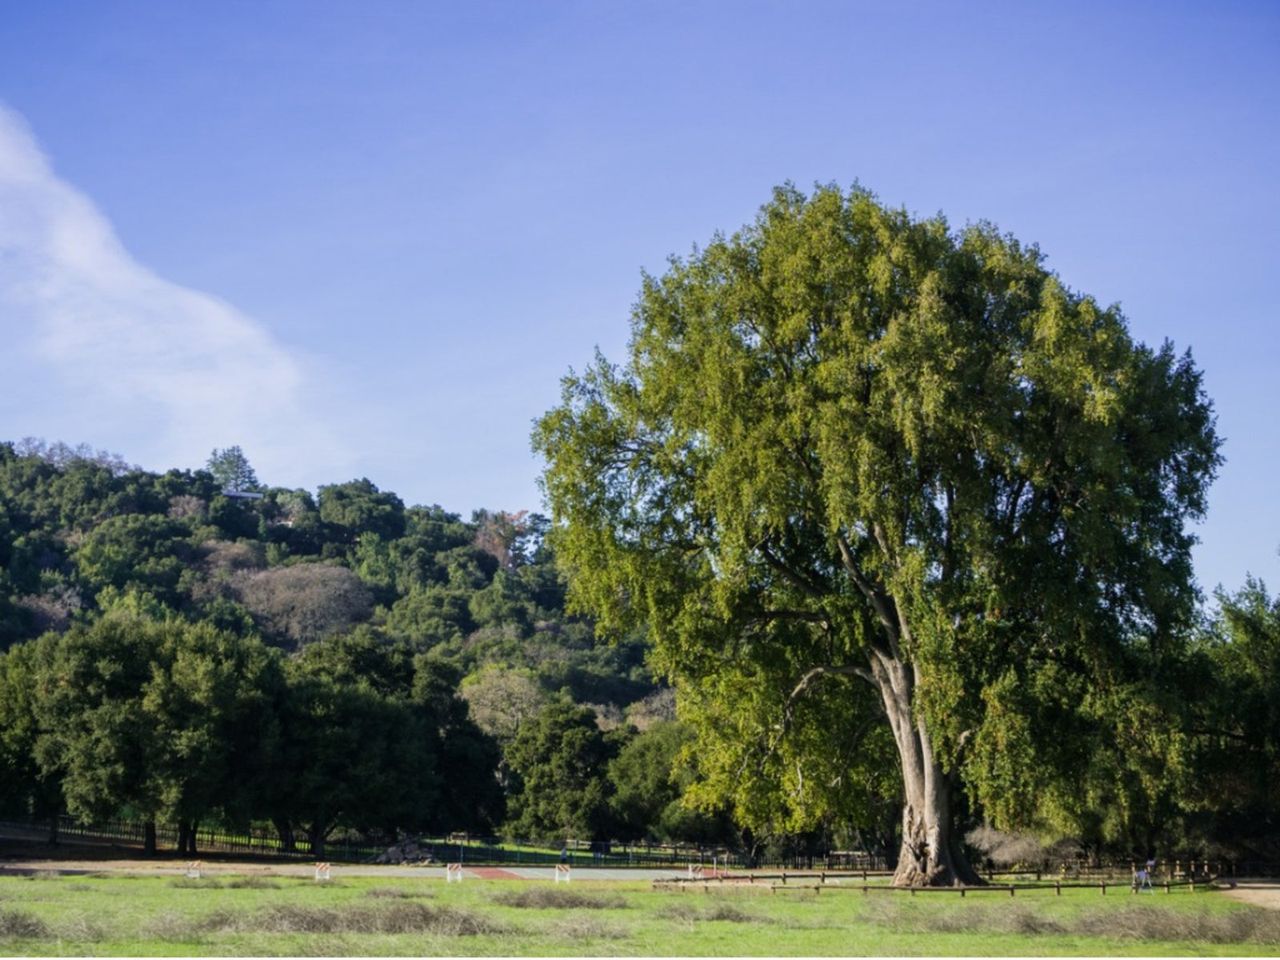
[{"x": 233, "y": 915}]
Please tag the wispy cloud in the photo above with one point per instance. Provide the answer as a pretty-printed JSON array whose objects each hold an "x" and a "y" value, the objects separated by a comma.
[{"x": 98, "y": 347}]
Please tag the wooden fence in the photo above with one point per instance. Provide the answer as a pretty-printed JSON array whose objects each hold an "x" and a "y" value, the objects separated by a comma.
[{"x": 859, "y": 882}]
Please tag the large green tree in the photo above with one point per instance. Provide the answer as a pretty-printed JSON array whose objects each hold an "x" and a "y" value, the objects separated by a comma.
[
  {"x": 559, "y": 764},
  {"x": 232, "y": 470},
  {"x": 152, "y": 716},
  {"x": 24, "y": 787},
  {"x": 1234, "y": 696},
  {"x": 376, "y": 738},
  {"x": 858, "y": 455},
  {"x": 360, "y": 507}
]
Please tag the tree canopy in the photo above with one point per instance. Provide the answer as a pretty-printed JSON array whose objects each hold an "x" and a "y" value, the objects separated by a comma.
[
  {"x": 232, "y": 471},
  {"x": 859, "y": 465}
]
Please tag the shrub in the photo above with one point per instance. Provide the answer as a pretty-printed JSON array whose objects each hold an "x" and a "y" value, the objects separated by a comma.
[
  {"x": 1005, "y": 849},
  {"x": 551, "y": 898}
]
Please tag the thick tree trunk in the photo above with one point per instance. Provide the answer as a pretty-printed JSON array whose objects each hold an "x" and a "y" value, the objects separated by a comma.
[
  {"x": 929, "y": 855},
  {"x": 184, "y": 831},
  {"x": 284, "y": 830},
  {"x": 193, "y": 831},
  {"x": 53, "y": 828},
  {"x": 316, "y": 836},
  {"x": 149, "y": 837}
]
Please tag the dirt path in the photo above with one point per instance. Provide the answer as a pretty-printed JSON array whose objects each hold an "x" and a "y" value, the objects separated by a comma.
[
  {"x": 177, "y": 867},
  {"x": 154, "y": 867},
  {"x": 1258, "y": 893}
]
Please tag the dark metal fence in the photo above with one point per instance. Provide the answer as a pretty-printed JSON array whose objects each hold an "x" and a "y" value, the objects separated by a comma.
[
  {"x": 454, "y": 848},
  {"x": 250, "y": 843},
  {"x": 493, "y": 850}
]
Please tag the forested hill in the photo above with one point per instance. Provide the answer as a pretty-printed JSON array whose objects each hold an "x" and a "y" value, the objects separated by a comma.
[
  {"x": 81, "y": 533},
  {"x": 265, "y": 631}
]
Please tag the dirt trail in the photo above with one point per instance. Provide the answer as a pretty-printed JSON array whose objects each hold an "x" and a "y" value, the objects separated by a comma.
[
  {"x": 1258, "y": 893},
  {"x": 153, "y": 867},
  {"x": 218, "y": 866}
]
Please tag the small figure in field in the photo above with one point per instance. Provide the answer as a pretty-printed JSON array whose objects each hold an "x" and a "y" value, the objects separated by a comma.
[
  {"x": 564, "y": 853},
  {"x": 1142, "y": 879}
]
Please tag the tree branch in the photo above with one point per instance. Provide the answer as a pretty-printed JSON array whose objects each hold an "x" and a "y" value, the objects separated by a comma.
[
  {"x": 791, "y": 574},
  {"x": 806, "y": 681},
  {"x": 807, "y": 616},
  {"x": 1213, "y": 732},
  {"x": 880, "y": 602},
  {"x": 864, "y": 585}
]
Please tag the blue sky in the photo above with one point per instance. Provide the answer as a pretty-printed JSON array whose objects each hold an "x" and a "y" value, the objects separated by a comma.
[{"x": 367, "y": 239}]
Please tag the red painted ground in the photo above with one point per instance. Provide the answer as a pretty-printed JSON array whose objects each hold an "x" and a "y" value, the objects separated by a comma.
[{"x": 492, "y": 873}]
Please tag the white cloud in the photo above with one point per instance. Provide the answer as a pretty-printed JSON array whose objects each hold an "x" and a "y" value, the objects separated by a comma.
[{"x": 97, "y": 347}]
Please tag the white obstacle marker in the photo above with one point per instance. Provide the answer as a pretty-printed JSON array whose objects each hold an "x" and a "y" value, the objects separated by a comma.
[
  {"x": 562, "y": 873},
  {"x": 453, "y": 873},
  {"x": 695, "y": 871},
  {"x": 193, "y": 870},
  {"x": 322, "y": 872}
]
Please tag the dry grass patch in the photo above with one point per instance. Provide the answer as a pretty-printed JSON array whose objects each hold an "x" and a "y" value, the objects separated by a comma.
[
  {"x": 15, "y": 924},
  {"x": 170, "y": 926},
  {"x": 578, "y": 929},
  {"x": 1015, "y": 918},
  {"x": 80, "y": 928},
  {"x": 394, "y": 918},
  {"x": 1127, "y": 923},
  {"x": 397, "y": 893},
  {"x": 717, "y": 911},
  {"x": 252, "y": 882},
  {"x": 191, "y": 883},
  {"x": 554, "y": 899},
  {"x": 115, "y": 875},
  {"x": 1136, "y": 923}
]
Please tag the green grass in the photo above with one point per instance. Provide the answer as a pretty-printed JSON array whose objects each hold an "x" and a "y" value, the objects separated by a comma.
[{"x": 227, "y": 915}]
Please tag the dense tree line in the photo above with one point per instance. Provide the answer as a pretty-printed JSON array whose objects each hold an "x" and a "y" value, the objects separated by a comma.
[
  {"x": 344, "y": 663},
  {"x": 195, "y": 647}
]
